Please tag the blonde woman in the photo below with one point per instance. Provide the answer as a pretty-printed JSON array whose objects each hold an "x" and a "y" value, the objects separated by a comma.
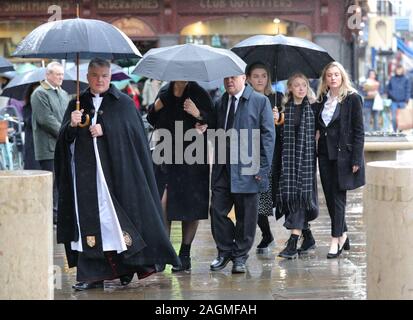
[
  {"x": 340, "y": 148},
  {"x": 296, "y": 186}
]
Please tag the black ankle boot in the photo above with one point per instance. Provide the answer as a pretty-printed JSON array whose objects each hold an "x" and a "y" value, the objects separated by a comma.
[
  {"x": 184, "y": 266},
  {"x": 290, "y": 251},
  {"x": 308, "y": 241},
  {"x": 264, "y": 244}
]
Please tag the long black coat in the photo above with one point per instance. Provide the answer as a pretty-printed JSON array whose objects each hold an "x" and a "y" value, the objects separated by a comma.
[
  {"x": 188, "y": 184},
  {"x": 128, "y": 171},
  {"x": 343, "y": 140}
]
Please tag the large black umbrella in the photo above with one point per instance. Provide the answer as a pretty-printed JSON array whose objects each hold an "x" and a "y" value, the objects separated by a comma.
[
  {"x": 5, "y": 65},
  {"x": 189, "y": 62},
  {"x": 76, "y": 39},
  {"x": 284, "y": 55},
  {"x": 17, "y": 87}
]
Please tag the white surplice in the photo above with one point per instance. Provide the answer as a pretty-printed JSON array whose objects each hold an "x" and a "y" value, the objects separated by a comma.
[{"x": 112, "y": 236}]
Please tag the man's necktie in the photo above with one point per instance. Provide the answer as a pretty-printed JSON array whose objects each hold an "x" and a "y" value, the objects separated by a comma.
[{"x": 230, "y": 120}]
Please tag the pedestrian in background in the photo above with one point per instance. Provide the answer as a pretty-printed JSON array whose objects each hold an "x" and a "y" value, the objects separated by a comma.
[
  {"x": 370, "y": 91},
  {"x": 49, "y": 102},
  {"x": 30, "y": 162},
  {"x": 398, "y": 90}
]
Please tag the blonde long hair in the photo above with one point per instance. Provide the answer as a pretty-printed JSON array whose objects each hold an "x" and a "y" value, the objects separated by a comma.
[
  {"x": 346, "y": 87},
  {"x": 288, "y": 94}
]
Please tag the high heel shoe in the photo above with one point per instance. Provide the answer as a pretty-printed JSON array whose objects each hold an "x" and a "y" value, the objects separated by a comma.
[
  {"x": 334, "y": 255},
  {"x": 346, "y": 245}
]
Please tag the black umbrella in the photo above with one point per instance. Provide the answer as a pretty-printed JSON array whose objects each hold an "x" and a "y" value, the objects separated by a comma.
[
  {"x": 5, "y": 65},
  {"x": 17, "y": 87},
  {"x": 284, "y": 55},
  {"x": 76, "y": 39}
]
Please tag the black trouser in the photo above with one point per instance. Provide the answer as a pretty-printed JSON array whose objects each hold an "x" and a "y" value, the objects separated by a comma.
[
  {"x": 48, "y": 165},
  {"x": 233, "y": 240},
  {"x": 335, "y": 198}
]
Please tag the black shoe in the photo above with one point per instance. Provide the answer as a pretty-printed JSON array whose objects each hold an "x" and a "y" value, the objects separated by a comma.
[
  {"x": 308, "y": 242},
  {"x": 184, "y": 266},
  {"x": 126, "y": 279},
  {"x": 290, "y": 251},
  {"x": 346, "y": 245},
  {"x": 81, "y": 286},
  {"x": 219, "y": 263},
  {"x": 263, "y": 246},
  {"x": 239, "y": 267},
  {"x": 334, "y": 255}
]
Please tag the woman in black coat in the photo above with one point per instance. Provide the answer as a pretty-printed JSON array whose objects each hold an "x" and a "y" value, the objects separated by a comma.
[
  {"x": 340, "y": 148},
  {"x": 183, "y": 187}
]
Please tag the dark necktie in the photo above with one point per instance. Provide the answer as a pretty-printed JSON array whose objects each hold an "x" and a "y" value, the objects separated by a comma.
[{"x": 230, "y": 120}]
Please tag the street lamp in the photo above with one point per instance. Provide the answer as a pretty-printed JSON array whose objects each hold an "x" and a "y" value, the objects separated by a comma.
[{"x": 277, "y": 24}]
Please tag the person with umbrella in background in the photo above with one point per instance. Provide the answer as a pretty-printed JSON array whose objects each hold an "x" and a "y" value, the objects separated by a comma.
[
  {"x": 184, "y": 188},
  {"x": 109, "y": 210},
  {"x": 259, "y": 77},
  {"x": 49, "y": 102},
  {"x": 30, "y": 162},
  {"x": 296, "y": 183},
  {"x": 339, "y": 119},
  {"x": 240, "y": 108}
]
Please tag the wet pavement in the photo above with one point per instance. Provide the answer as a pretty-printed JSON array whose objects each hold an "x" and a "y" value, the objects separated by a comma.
[{"x": 269, "y": 277}]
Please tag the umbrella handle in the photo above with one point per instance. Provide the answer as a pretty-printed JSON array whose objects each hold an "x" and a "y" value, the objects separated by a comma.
[
  {"x": 280, "y": 120},
  {"x": 87, "y": 121}
]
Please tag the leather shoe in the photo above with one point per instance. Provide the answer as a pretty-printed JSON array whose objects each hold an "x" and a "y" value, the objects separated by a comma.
[
  {"x": 126, "y": 279},
  {"x": 184, "y": 266},
  {"x": 81, "y": 286},
  {"x": 238, "y": 267},
  {"x": 219, "y": 263}
]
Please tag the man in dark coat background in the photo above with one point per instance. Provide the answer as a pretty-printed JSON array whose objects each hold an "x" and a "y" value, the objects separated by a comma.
[{"x": 109, "y": 209}]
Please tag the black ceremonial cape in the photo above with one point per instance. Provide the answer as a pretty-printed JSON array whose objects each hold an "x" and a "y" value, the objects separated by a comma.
[{"x": 128, "y": 171}]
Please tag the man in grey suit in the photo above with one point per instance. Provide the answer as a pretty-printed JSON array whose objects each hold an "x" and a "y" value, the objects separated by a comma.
[
  {"x": 49, "y": 102},
  {"x": 235, "y": 182}
]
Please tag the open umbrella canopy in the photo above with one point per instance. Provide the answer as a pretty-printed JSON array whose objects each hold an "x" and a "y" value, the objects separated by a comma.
[
  {"x": 5, "y": 65},
  {"x": 284, "y": 55},
  {"x": 117, "y": 72},
  {"x": 189, "y": 62},
  {"x": 89, "y": 38},
  {"x": 17, "y": 87}
]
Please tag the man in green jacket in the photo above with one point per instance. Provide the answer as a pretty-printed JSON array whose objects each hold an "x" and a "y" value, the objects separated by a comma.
[{"x": 49, "y": 102}]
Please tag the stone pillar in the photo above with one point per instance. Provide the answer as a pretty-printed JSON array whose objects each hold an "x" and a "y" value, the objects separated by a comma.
[
  {"x": 388, "y": 211},
  {"x": 26, "y": 235}
]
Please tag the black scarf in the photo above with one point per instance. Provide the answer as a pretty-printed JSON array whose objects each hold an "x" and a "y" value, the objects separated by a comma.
[{"x": 295, "y": 185}]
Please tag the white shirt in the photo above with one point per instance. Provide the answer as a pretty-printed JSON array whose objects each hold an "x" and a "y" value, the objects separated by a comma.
[
  {"x": 53, "y": 87},
  {"x": 329, "y": 109},
  {"x": 237, "y": 96}
]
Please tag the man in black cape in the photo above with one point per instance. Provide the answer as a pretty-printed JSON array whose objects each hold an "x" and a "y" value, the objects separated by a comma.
[{"x": 109, "y": 216}]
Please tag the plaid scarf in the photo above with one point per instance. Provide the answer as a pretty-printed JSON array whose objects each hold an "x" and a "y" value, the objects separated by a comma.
[{"x": 295, "y": 186}]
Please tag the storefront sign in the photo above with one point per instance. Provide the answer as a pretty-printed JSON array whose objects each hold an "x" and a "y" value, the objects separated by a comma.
[
  {"x": 127, "y": 5},
  {"x": 32, "y": 6},
  {"x": 245, "y": 4}
]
